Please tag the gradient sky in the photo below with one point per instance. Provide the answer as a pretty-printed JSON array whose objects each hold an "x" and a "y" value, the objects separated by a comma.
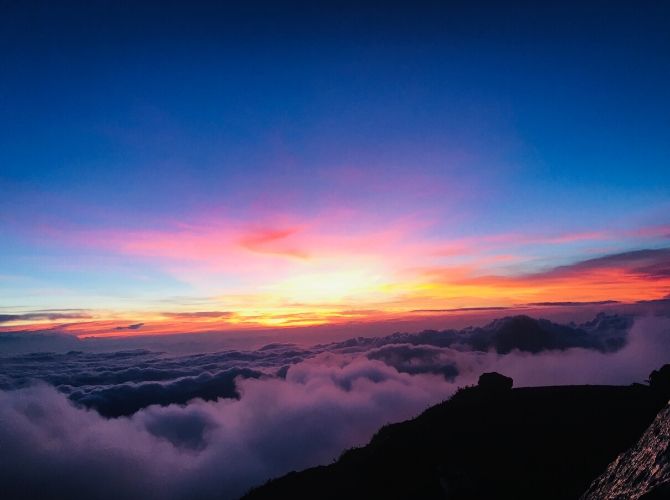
[{"x": 213, "y": 165}]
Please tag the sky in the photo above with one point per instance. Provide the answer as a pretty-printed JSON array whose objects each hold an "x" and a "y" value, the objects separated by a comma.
[{"x": 213, "y": 166}]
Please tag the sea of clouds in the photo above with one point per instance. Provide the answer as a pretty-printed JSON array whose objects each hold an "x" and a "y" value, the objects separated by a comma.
[{"x": 144, "y": 424}]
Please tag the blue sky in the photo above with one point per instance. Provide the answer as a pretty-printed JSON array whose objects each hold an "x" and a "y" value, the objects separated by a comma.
[{"x": 463, "y": 120}]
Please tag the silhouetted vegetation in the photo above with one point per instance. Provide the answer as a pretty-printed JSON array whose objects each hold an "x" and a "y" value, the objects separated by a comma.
[{"x": 659, "y": 381}]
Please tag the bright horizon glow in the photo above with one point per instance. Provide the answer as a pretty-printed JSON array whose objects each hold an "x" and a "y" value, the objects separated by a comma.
[{"x": 347, "y": 278}]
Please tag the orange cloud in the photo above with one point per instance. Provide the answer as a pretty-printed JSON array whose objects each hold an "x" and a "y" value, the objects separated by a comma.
[{"x": 630, "y": 276}]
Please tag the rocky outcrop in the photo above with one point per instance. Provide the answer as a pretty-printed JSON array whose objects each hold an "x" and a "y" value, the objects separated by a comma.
[
  {"x": 642, "y": 472},
  {"x": 494, "y": 382}
]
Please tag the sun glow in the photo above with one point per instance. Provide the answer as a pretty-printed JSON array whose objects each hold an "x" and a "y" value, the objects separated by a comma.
[
  {"x": 315, "y": 274},
  {"x": 331, "y": 287}
]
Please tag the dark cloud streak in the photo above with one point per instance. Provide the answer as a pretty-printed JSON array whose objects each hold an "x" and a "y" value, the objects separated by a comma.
[
  {"x": 43, "y": 316},
  {"x": 134, "y": 326}
]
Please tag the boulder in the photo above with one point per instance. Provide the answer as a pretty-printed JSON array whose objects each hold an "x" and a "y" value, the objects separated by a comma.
[{"x": 494, "y": 381}]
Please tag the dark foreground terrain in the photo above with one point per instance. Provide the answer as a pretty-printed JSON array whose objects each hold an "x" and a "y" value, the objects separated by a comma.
[
  {"x": 488, "y": 443},
  {"x": 643, "y": 471}
]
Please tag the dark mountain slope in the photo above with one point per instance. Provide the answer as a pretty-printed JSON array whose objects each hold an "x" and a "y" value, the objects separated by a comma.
[{"x": 530, "y": 443}]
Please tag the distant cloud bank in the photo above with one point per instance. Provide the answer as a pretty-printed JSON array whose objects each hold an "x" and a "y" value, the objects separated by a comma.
[{"x": 212, "y": 425}]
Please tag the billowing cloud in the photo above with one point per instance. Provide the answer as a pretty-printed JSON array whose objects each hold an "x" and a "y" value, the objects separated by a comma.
[
  {"x": 212, "y": 425},
  {"x": 413, "y": 359},
  {"x": 430, "y": 351},
  {"x": 126, "y": 399},
  {"x": 203, "y": 450}
]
